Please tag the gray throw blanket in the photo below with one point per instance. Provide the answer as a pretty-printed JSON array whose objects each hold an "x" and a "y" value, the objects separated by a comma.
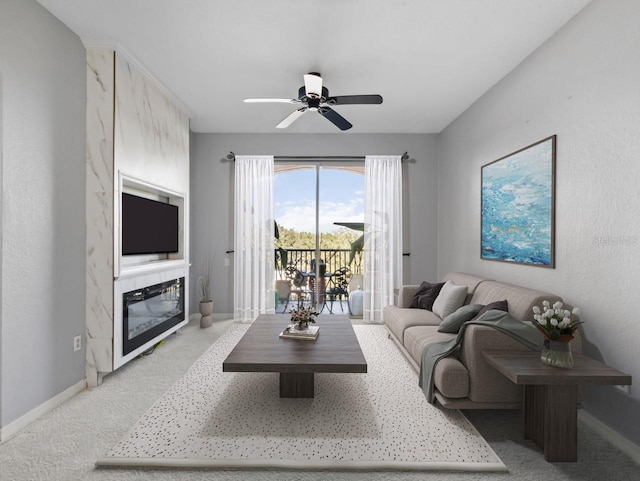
[{"x": 523, "y": 332}]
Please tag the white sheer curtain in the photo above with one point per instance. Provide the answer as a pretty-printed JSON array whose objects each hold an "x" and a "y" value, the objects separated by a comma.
[
  {"x": 253, "y": 240},
  {"x": 383, "y": 233}
]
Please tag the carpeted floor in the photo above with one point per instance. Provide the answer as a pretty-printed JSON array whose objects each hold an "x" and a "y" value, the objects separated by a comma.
[
  {"x": 377, "y": 420},
  {"x": 65, "y": 443}
]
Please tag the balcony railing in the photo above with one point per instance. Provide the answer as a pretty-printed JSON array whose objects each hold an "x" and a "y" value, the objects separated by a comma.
[
  {"x": 333, "y": 259},
  {"x": 301, "y": 259}
]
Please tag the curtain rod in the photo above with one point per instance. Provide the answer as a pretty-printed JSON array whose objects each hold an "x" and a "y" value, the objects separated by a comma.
[{"x": 318, "y": 158}]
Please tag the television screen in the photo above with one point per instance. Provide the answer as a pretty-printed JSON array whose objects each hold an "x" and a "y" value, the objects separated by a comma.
[{"x": 148, "y": 226}]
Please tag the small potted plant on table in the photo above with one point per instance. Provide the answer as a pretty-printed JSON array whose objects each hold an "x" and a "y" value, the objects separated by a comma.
[{"x": 302, "y": 317}]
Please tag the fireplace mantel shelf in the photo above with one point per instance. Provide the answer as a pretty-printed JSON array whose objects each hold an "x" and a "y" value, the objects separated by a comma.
[{"x": 150, "y": 267}]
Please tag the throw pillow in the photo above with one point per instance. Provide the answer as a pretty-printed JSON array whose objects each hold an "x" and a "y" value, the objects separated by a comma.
[
  {"x": 498, "y": 305},
  {"x": 450, "y": 299},
  {"x": 425, "y": 295},
  {"x": 455, "y": 320},
  {"x": 424, "y": 285}
]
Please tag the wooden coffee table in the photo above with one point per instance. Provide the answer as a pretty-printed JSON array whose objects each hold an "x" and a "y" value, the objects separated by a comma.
[
  {"x": 261, "y": 350},
  {"x": 551, "y": 396}
]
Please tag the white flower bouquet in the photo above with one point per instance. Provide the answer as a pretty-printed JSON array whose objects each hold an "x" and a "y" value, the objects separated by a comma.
[{"x": 556, "y": 323}]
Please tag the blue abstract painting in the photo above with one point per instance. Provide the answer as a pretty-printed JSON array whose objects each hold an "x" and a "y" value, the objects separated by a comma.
[{"x": 518, "y": 206}]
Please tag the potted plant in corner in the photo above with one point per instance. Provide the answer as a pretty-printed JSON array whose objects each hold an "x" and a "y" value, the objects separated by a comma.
[{"x": 204, "y": 290}]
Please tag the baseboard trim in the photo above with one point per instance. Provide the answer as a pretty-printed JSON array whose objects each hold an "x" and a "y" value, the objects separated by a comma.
[
  {"x": 623, "y": 444},
  {"x": 14, "y": 427}
]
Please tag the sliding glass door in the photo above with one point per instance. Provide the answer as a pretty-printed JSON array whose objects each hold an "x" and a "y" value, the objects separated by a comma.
[{"x": 319, "y": 210}]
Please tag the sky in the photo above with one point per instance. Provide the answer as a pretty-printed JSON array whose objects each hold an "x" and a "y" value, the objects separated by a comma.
[{"x": 341, "y": 198}]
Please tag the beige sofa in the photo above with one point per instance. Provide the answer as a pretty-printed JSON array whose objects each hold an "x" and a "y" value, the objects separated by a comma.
[{"x": 464, "y": 380}]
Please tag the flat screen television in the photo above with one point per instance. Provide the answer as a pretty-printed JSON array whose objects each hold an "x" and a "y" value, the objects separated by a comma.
[{"x": 148, "y": 226}]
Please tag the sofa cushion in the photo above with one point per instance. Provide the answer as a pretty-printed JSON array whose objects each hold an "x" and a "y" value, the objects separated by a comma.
[
  {"x": 417, "y": 337},
  {"x": 450, "y": 377},
  {"x": 455, "y": 320},
  {"x": 463, "y": 279},
  {"x": 496, "y": 305},
  {"x": 425, "y": 295},
  {"x": 450, "y": 299},
  {"x": 405, "y": 295},
  {"x": 397, "y": 319},
  {"x": 521, "y": 299}
]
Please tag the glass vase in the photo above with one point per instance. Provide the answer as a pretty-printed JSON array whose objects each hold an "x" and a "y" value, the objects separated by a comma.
[{"x": 557, "y": 353}]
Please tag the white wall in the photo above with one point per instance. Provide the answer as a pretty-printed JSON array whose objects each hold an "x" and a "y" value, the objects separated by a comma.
[
  {"x": 583, "y": 86},
  {"x": 1, "y": 243},
  {"x": 42, "y": 66},
  {"x": 212, "y": 183}
]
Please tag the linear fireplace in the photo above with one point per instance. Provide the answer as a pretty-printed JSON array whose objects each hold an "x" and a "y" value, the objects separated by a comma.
[{"x": 150, "y": 311}]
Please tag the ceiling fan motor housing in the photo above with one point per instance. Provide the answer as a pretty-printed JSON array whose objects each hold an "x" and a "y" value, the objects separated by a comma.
[{"x": 302, "y": 94}]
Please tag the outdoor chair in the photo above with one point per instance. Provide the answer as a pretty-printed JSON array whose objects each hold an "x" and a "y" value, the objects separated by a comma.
[
  {"x": 338, "y": 289},
  {"x": 298, "y": 282}
]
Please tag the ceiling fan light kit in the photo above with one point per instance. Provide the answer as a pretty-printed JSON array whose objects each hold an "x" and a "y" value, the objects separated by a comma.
[{"x": 315, "y": 97}]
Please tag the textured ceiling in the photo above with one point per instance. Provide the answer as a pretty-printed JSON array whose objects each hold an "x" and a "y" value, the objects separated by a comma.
[{"x": 429, "y": 59}]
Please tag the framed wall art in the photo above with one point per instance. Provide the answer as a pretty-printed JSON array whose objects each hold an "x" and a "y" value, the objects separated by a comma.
[{"x": 518, "y": 206}]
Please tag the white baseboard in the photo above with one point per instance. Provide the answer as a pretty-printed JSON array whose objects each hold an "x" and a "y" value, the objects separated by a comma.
[
  {"x": 623, "y": 444},
  {"x": 195, "y": 317},
  {"x": 14, "y": 427}
]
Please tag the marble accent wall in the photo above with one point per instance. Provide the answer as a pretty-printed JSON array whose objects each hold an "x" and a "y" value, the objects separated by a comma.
[
  {"x": 99, "y": 198},
  {"x": 151, "y": 133},
  {"x": 133, "y": 129}
]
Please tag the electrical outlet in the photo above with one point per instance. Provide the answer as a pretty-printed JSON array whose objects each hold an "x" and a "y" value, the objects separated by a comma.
[
  {"x": 226, "y": 262},
  {"x": 626, "y": 388},
  {"x": 77, "y": 343}
]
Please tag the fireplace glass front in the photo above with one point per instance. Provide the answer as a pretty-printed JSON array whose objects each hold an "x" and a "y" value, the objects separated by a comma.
[{"x": 150, "y": 311}]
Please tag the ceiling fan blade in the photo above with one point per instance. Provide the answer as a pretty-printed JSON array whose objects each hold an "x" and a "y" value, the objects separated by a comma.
[
  {"x": 313, "y": 85},
  {"x": 291, "y": 118},
  {"x": 267, "y": 100},
  {"x": 355, "y": 99},
  {"x": 333, "y": 116}
]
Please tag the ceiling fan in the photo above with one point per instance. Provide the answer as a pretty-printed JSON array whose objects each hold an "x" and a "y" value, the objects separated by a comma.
[{"x": 313, "y": 96}]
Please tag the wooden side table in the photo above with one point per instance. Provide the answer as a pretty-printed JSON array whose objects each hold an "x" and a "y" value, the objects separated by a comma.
[{"x": 551, "y": 396}]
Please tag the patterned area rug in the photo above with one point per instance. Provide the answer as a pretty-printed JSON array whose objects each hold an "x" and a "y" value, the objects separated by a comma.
[{"x": 378, "y": 420}]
